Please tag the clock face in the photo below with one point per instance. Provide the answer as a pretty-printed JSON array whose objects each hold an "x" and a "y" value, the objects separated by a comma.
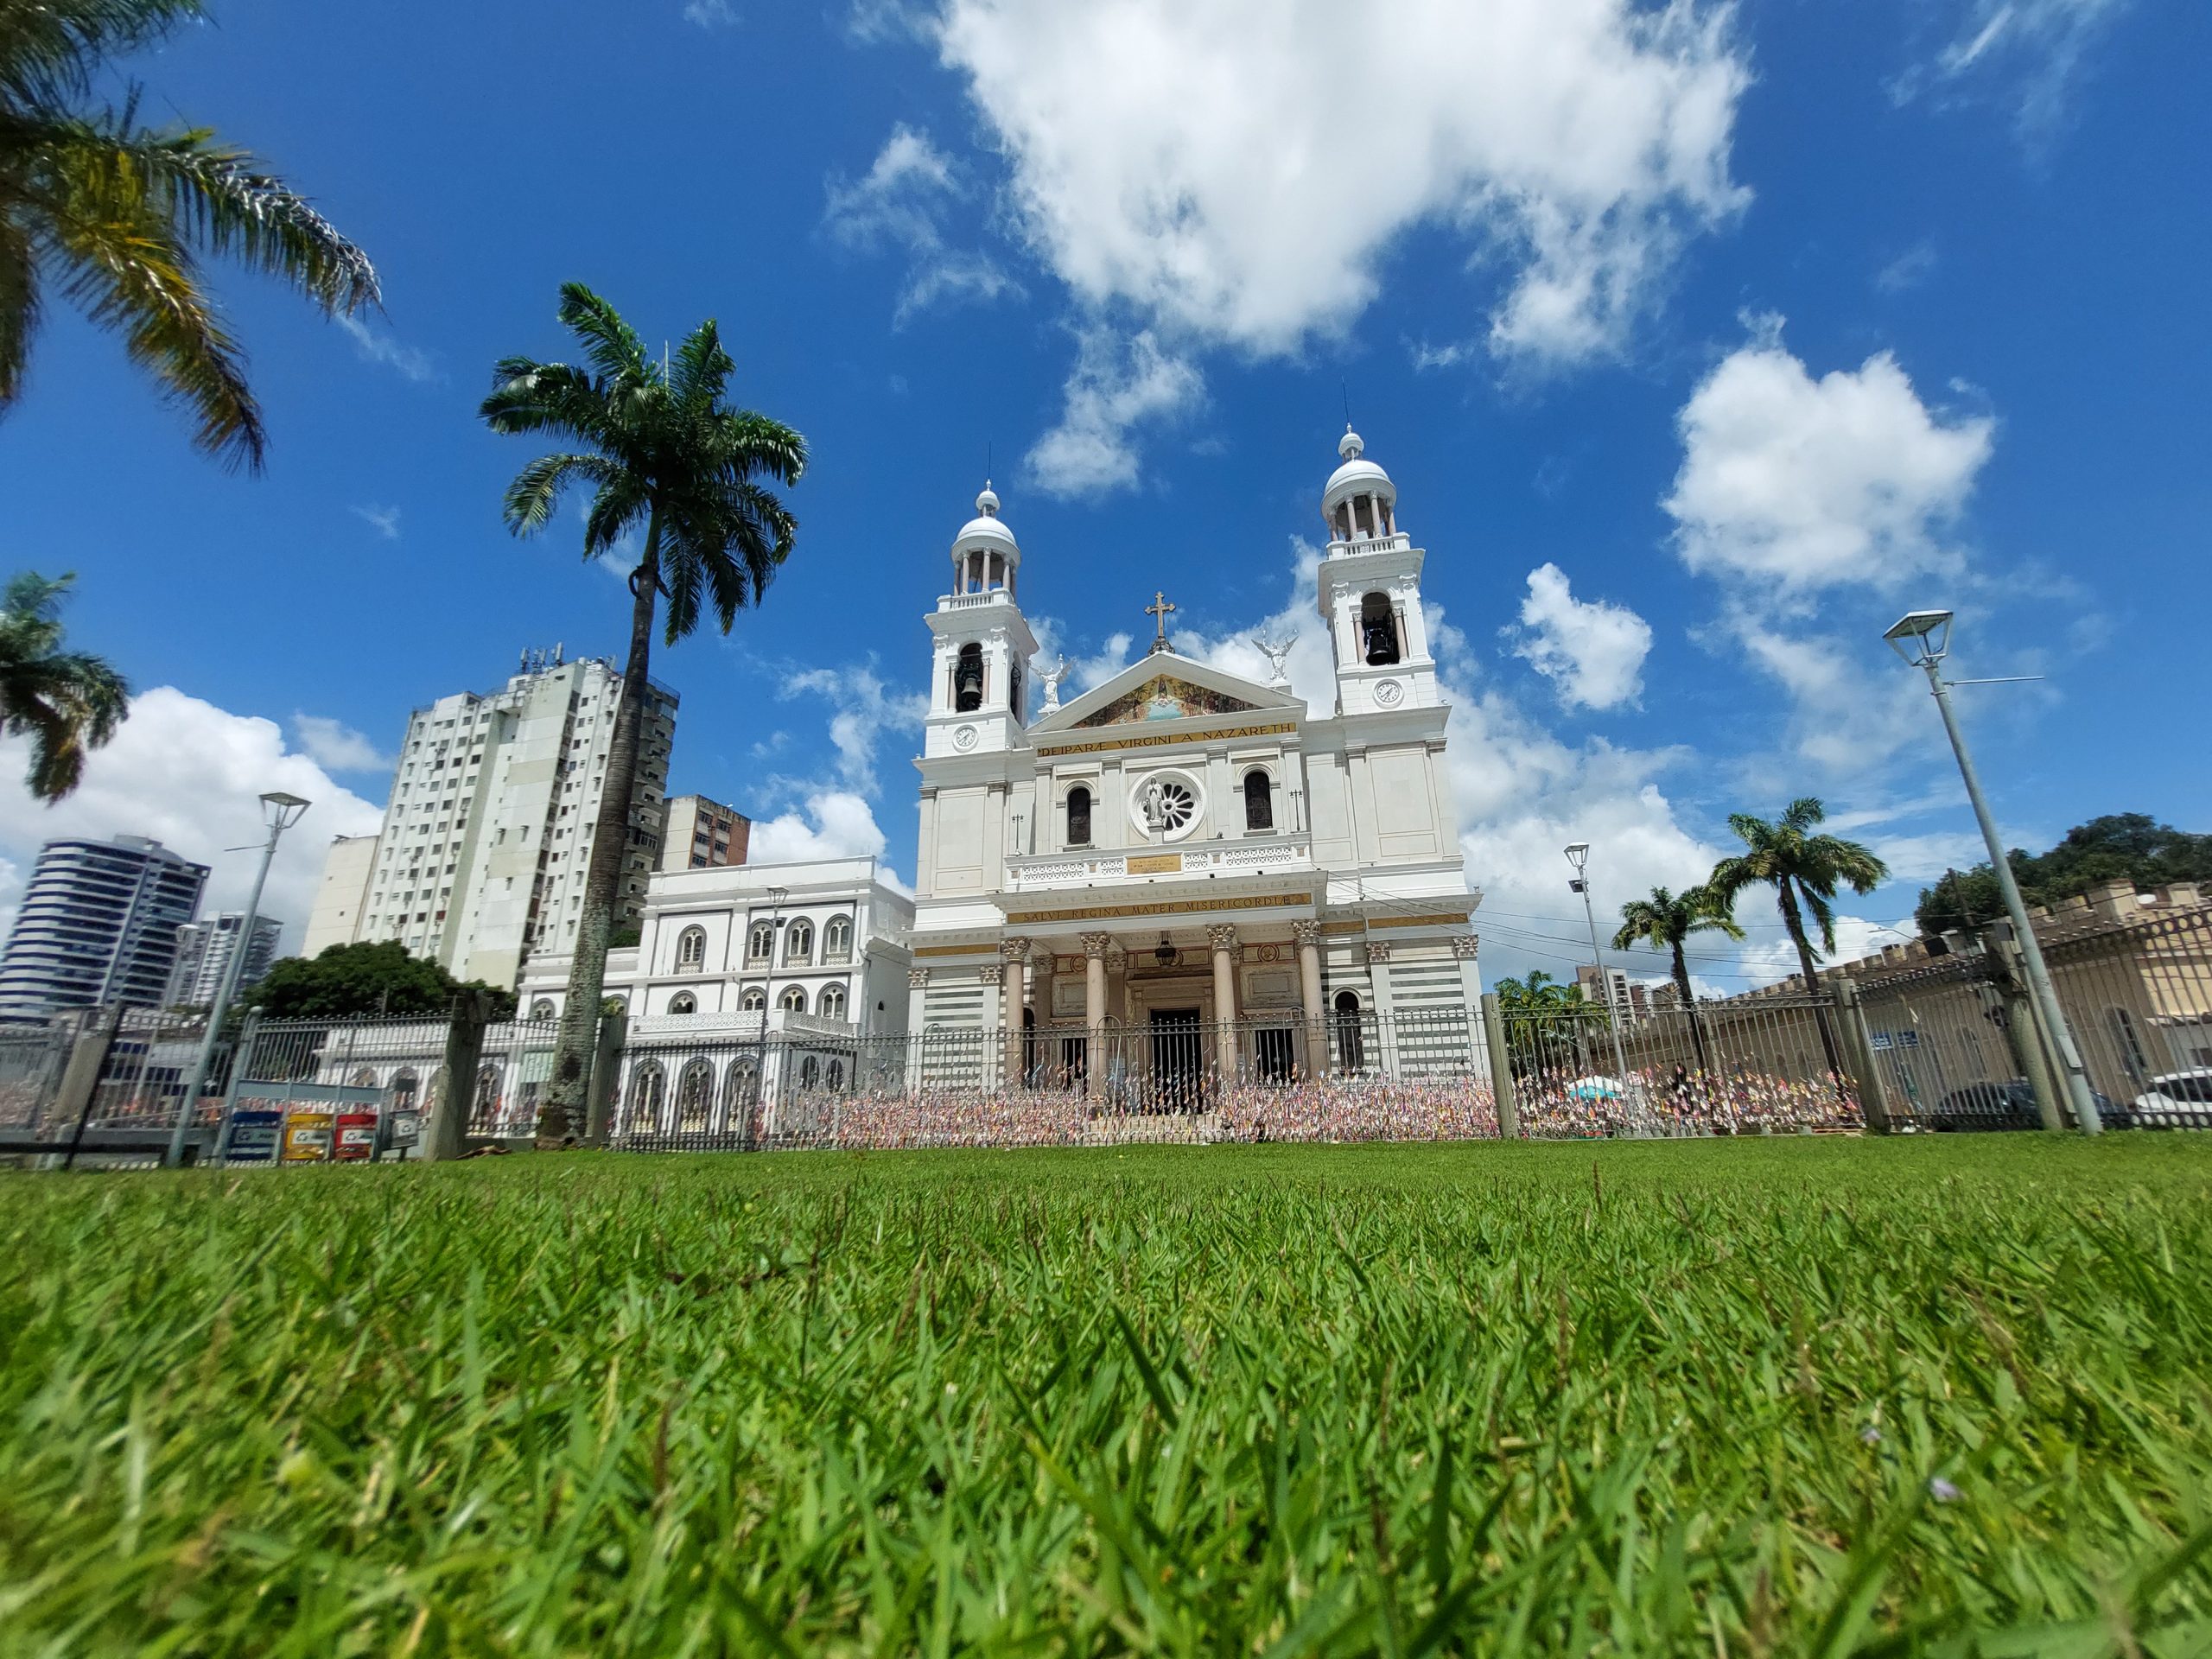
[
  {"x": 1389, "y": 692},
  {"x": 964, "y": 737}
]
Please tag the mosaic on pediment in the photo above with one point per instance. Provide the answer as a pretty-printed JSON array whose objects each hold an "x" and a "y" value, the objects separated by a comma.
[{"x": 1166, "y": 697}]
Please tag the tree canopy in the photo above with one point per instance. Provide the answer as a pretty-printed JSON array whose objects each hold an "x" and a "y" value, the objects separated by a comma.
[
  {"x": 351, "y": 981},
  {"x": 2119, "y": 846},
  {"x": 69, "y": 701}
]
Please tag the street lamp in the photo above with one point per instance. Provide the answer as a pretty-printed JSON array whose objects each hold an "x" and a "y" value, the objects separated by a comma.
[
  {"x": 280, "y": 811},
  {"x": 1923, "y": 639},
  {"x": 1577, "y": 855}
]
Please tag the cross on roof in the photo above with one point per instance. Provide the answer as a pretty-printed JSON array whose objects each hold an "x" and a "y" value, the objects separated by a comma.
[{"x": 1159, "y": 607}]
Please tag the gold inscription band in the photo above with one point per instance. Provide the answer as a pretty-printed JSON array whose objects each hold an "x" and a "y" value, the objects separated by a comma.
[{"x": 1170, "y": 739}]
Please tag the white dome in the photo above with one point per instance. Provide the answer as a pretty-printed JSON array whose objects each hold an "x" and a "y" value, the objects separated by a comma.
[
  {"x": 1357, "y": 476},
  {"x": 987, "y": 530}
]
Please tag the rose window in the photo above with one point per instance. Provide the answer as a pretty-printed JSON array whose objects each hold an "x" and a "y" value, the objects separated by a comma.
[{"x": 1165, "y": 807}]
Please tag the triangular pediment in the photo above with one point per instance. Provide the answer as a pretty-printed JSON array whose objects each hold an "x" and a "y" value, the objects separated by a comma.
[{"x": 1164, "y": 686}]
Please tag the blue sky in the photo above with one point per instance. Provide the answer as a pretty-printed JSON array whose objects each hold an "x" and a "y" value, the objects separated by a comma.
[{"x": 1699, "y": 342}]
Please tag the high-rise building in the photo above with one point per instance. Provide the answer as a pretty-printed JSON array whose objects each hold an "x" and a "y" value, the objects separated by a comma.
[
  {"x": 482, "y": 857},
  {"x": 343, "y": 898},
  {"x": 1629, "y": 1000},
  {"x": 701, "y": 833},
  {"x": 99, "y": 924},
  {"x": 204, "y": 951}
]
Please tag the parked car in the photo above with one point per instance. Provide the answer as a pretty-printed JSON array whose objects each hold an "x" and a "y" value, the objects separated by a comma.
[
  {"x": 2178, "y": 1100},
  {"x": 2010, "y": 1105}
]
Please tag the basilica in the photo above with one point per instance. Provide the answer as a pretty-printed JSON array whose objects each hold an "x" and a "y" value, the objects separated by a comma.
[{"x": 1181, "y": 869}]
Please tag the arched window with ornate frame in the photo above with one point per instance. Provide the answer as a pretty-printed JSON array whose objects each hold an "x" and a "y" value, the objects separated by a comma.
[
  {"x": 648, "y": 1089},
  {"x": 690, "y": 948},
  {"x": 799, "y": 941},
  {"x": 1079, "y": 816},
  {"x": 761, "y": 941},
  {"x": 684, "y": 1002},
  {"x": 837, "y": 939},
  {"x": 831, "y": 1005},
  {"x": 752, "y": 1000},
  {"x": 794, "y": 1000}
]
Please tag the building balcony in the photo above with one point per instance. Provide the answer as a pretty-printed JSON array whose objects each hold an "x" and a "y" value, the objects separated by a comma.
[
  {"x": 1287, "y": 855},
  {"x": 1396, "y": 543}
]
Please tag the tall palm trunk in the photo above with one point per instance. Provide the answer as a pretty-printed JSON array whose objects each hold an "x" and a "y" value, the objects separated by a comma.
[
  {"x": 566, "y": 1106},
  {"x": 1795, "y": 921},
  {"x": 1689, "y": 1007}
]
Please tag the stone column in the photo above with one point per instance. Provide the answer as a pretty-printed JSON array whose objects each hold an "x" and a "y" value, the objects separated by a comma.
[
  {"x": 1013, "y": 954},
  {"x": 1223, "y": 938},
  {"x": 993, "y": 974},
  {"x": 1094, "y": 1006},
  {"x": 1308, "y": 935}
]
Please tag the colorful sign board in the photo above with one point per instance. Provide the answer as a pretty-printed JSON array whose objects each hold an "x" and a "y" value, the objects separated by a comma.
[{"x": 308, "y": 1137}]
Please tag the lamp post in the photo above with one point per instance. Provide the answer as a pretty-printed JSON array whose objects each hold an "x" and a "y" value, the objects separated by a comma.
[
  {"x": 1577, "y": 855},
  {"x": 1924, "y": 638},
  {"x": 280, "y": 812}
]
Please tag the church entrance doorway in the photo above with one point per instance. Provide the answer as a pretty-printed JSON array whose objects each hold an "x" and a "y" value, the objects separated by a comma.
[{"x": 1178, "y": 1061}]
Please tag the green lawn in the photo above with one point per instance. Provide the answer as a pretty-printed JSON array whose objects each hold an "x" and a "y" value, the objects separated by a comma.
[{"x": 1786, "y": 1396}]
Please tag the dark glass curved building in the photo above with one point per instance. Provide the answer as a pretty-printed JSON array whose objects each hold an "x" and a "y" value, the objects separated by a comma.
[{"x": 97, "y": 925}]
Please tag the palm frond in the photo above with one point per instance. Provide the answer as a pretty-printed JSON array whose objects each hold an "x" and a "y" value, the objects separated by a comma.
[
  {"x": 611, "y": 346},
  {"x": 537, "y": 488},
  {"x": 51, "y": 51},
  {"x": 621, "y": 502},
  {"x": 19, "y": 307},
  {"x": 703, "y": 368},
  {"x": 127, "y": 270}
]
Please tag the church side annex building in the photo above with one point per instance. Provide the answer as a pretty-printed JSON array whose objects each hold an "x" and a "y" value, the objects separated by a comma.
[{"x": 1182, "y": 874}]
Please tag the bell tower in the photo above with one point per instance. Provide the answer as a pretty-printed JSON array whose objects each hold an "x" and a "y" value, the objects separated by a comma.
[
  {"x": 1370, "y": 591},
  {"x": 978, "y": 700}
]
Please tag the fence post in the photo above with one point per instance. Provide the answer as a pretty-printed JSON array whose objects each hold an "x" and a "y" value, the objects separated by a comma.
[
  {"x": 1859, "y": 1055},
  {"x": 606, "y": 1069},
  {"x": 241, "y": 1057},
  {"x": 80, "y": 1078},
  {"x": 447, "y": 1134},
  {"x": 1501, "y": 1069},
  {"x": 2023, "y": 1032}
]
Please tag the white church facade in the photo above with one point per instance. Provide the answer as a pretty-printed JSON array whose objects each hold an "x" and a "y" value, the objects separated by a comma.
[{"x": 1182, "y": 872}]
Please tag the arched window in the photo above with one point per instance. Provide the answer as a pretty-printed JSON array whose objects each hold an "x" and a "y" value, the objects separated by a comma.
[
  {"x": 761, "y": 941},
  {"x": 1351, "y": 1046},
  {"x": 695, "y": 1094},
  {"x": 967, "y": 678},
  {"x": 836, "y": 1079},
  {"x": 541, "y": 1010},
  {"x": 1258, "y": 800},
  {"x": 754, "y": 1001},
  {"x": 1378, "y": 630},
  {"x": 831, "y": 1005},
  {"x": 691, "y": 947},
  {"x": 837, "y": 939},
  {"x": 799, "y": 941},
  {"x": 648, "y": 1087},
  {"x": 794, "y": 1000},
  {"x": 740, "y": 1087},
  {"x": 809, "y": 1072},
  {"x": 1078, "y": 817},
  {"x": 1014, "y": 689},
  {"x": 684, "y": 1002}
]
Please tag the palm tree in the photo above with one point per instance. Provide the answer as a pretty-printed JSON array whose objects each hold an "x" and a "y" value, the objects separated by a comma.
[
  {"x": 661, "y": 454},
  {"x": 1546, "y": 1017},
  {"x": 1663, "y": 921},
  {"x": 69, "y": 701},
  {"x": 116, "y": 216},
  {"x": 1804, "y": 869}
]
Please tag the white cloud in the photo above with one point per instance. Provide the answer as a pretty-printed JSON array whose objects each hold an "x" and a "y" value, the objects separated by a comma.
[
  {"x": 899, "y": 203},
  {"x": 383, "y": 520},
  {"x": 374, "y": 346},
  {"x": 866, "y": 709},
  {"x": 1238, "y": 172},
  {"x": 1115, "y": 386},
  {"x": 191, "y": 775},
  {"x": 835, "y": 823},
  {"x": 1924, "y": 857},
  {"x": 1794, "y": 484},
  {"x": 1770, "y": 956},
  {"x": 711, "y": 14},
  {"x": 338, "y": 747},
  {"x": 2027, "y": 53},
  {"x": 1814, "y": 502},
  {"x": 1592, "y": 651},
  {"x": 1908, "y": 271}
]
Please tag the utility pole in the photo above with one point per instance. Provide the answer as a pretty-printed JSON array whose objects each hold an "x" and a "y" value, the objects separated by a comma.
[
  {"x": 282, "y": 811},
  {"x": 1923, "y": 639},
  {"x": 1577, "y": 855}
]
